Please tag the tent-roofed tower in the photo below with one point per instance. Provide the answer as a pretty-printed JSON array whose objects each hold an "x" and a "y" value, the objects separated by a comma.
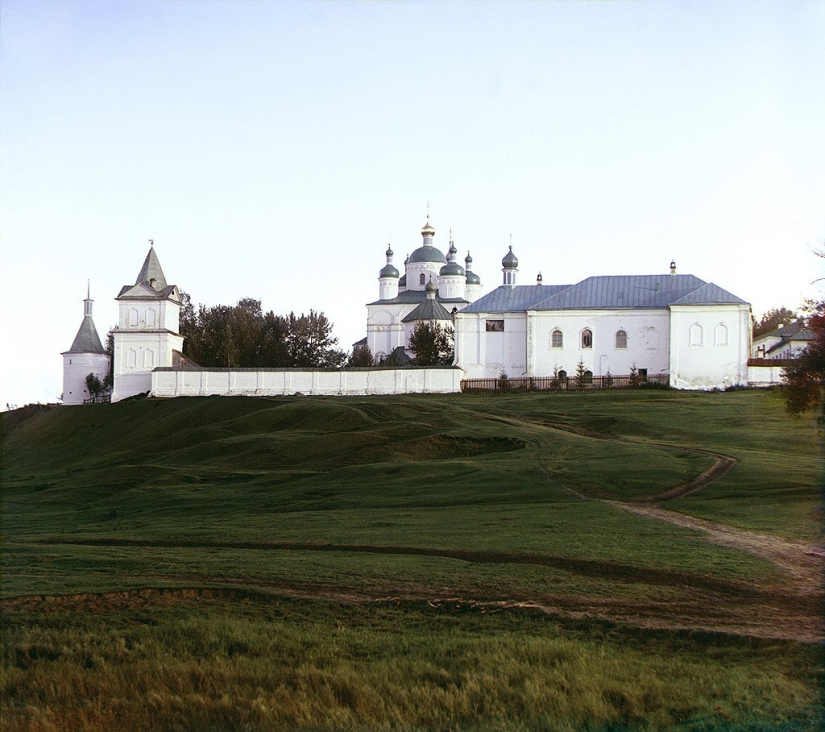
[
  {"x": 85, "y": 356},
  {"x": 148, "y": 330}
]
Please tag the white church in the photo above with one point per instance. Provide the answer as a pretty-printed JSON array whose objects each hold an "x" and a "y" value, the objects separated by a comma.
[
  {"x": 695, "y": 332},
  {"x": 692, "y": 331}
]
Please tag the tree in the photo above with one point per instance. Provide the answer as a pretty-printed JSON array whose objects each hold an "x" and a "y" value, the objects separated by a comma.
[
  {"x": 804, "y": 380},
  {"x": 242, "y": 336},
  {"x": 361, "y": 356},
  {"x": 95, "y": 387},
  {"x": 431, "y": 344},
  {"x": 772, "y": 319}
]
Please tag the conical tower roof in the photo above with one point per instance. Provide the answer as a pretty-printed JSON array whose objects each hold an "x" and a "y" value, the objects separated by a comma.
[
  {"x": 151, "y": 270},
  {"x": 87, "y": 340}
]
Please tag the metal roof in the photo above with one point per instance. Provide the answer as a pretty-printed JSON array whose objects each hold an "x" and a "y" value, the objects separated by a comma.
[
  {"x": 709, "y": 294},
  {"x": 427, "y": 253},
  {"x": 87, "y": 340},
  {"x": 151, "y": 270},
  {"x": 416, "y": 296},
  {"x": 430, "y": 309},
  {"x": 622, "y": 291},
  {"x": 506, "y": 299}
]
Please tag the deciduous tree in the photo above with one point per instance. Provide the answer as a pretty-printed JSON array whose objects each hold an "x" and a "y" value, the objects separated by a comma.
[{"x": 804, "y": 380}]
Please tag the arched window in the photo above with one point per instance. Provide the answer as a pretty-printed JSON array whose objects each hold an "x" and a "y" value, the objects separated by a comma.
[
  {"x": 133, "y": 316},
  {"x": 421, "y": 279},
  {"x": 562, "y": 377},
  {"x": 587, "y": 377},
  {"x": 149, "y": 359},
  {"x": 131, "y": 357},
  {"x": 556, "y": 339},
  {"x": 651, "y": 339},
  {"x": 150, "y": 317},
  {"x": 621, "y": 339},
  {"x": 587, "y": 338},
  {"x": 720, "y": 335},
  {"x": 695, "y": 335}
]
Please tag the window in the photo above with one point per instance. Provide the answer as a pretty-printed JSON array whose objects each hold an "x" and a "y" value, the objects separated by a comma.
[
  {"x": 642, "y": 374},
  {"x": 562, "y": 375},
  {"x": 495, "y": 326},
  {"x": 652, "y": 339},
  {"x": 587, "y": 338},
  {"x": 621, "y": 339},
  {"x": 150, "y": 317},
  {"x": 556, "y": 339},
  {"x": 720, "y": 335},
  {"x": 131, "y": 358},
  {"x": 587, "y": 377},
  {"x": 421, "y": 279},
  {"x": 695, "y": 335},
  {"x": 133, "y": 316}
]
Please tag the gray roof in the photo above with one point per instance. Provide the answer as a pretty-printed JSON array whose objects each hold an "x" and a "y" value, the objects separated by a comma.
[
  {"x": 793, "y": 330},
  {"x": 87, "y": 340},
  {"x": 151, "y": 270},
  {"x": 606, "y": 293},
  {"x": 709, "y": 294},
  {"x": 506, "y": 299},
  {"x": 427, "y": 253},
  {"x": 415, "y": 296},
  {"x": 430, "y": 309},
  {"x": 143, "y": 291}
]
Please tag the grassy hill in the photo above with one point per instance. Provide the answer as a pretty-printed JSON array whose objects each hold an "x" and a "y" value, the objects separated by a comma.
[{"x": 414, "y": 561}]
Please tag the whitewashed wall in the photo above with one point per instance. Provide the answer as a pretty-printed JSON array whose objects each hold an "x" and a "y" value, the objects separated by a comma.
[
  {"x": 647, "y": 342},
  {"x": 281, "y": 382},
  {"x": 765, "y": 375},
  {"x": 385, "y": 331},
  {"x": 485, "y": 354},
  {"x": 76, "y": 367},
  {"x": 709, "y": 346}
]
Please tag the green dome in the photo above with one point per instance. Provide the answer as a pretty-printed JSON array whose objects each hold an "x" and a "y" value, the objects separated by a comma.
[
  {"x": 451, "y": 268},
  {"x": 388, "y": 271},
  {"x": 473, "y": 279},
  {"x": 509, "y": 261},
  {"x": 427, "y": 254}
]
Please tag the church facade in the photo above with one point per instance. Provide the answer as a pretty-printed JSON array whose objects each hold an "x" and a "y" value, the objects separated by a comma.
[
  {"x": 695, "y": 332},
  {"x": 433, "y": 288}
]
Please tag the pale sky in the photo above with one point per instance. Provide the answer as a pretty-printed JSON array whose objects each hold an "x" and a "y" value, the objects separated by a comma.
[{"x": 272, "y": 149}]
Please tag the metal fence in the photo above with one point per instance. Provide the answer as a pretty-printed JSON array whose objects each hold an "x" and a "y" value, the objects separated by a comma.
[{"x": 564, "y": 383}]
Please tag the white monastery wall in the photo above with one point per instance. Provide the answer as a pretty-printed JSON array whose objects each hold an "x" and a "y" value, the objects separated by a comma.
[
  {"x": 76, "y": 367},
  {"x": 710, "y": 346},
  {"x": 765, "y": 375},
  {"x": 283, "y": 382},
  {"x": 645, "y": 343}
]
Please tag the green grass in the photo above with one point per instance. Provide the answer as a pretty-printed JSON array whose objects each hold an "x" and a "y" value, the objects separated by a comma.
[
  {"x": 291, "y": 664},
  {"x": 346, "y": 501}
]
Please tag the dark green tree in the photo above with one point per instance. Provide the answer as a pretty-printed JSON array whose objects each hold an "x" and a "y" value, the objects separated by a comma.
[
  {"x": 95, "y": 387},
  {"x": 804, "y": 380},
  {"x": 361, "y": 356},
  {"x": 431, "y": 344},
  {"x": 772, "y": 319}
]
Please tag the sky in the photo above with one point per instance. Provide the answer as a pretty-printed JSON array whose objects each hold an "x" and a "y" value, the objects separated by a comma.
[{"x": 273, "y": 149}]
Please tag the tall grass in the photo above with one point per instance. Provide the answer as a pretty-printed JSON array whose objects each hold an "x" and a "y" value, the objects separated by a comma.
[{"x": 313, "y": 665}]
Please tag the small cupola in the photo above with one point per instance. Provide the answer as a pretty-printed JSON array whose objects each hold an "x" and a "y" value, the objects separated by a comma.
[
  {"x": 673, "y": 267},
  {"x": 509, "y": 266},
  {"x": 538, "y": 278}
]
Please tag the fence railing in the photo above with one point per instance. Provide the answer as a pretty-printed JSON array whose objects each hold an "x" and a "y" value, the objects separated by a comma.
[{"x": 564, "y": 383}]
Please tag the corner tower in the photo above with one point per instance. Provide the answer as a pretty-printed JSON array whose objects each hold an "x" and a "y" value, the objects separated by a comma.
[
  {"x": 86, "y": 356},
  {"x": 148, "y": 331}
]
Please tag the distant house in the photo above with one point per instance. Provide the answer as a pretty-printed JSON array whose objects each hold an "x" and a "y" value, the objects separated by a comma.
[{"x": 786, "y": 341}]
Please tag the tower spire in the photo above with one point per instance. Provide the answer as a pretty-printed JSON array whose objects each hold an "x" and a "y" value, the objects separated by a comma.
[{"x": 87, "y": 303}]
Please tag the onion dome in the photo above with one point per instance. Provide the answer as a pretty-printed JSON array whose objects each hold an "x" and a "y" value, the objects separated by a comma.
[
  {"x": 510, "y": 261},
  {"x": 388, "y": 271},
  {"x": 472, "y": 277},
  {"x": 389, "y": 251},
  {"x": 427, "y": 253},
  {"x": 403, "y": 281},
  {"x": 451, "y": 269},
  {"x": 430, "y": 288},
  {"x": 427, "y": 229}
]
